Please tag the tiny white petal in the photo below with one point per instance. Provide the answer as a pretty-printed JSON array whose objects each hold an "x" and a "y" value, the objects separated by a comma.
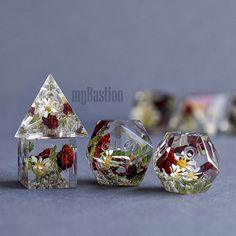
[{"x": 34, "y": 159}]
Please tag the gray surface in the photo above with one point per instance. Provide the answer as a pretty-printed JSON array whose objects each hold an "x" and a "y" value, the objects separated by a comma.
[
  {"x": 96, "y": 210},
  {"x": 183, "y": 46}
]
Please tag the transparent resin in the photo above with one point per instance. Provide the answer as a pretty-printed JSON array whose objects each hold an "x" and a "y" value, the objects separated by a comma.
[
  {"x": 50, "y": 115},
  {"x": 186, "y": 162},
  {"x": 42, "y": 164},
  {"x": 119, "y": 152},
  {"x": 47, "y": 140}
]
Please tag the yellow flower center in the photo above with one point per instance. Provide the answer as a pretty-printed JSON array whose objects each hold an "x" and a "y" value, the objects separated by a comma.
[
  {"x": 190, "y": 175},
  {"x": 177, "y": 173},
  {"x": 39, "y": 165},
  {"x": 48, "y": 109},
  {"x": 182, "y": 163},
  {"x": 107, "y": 162},
  {"x": 39, "y": 168}
]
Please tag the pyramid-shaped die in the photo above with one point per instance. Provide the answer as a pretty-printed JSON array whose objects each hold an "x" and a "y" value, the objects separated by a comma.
[{"x": 47, "y": 141}]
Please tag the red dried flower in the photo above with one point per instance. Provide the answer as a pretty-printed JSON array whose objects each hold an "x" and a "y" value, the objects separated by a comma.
[
  {"x": 105, "y": 138},
  {"x": 98, "y": 150},
  {"x": 44, "y": 154},
  {"x": 101, "y": 126},
  {"x": 205, "y": 167},
  {"x": 166, "y": 160},
  {"x": 65, "y": 158},
  {"x": 171, "y": 157},
  {"x": 94, "y": 165},
  {"x": 51, "y": 121},
  {"x": 167, "y": 167},
  {"x": 180, "y": 148},
  {"x": 67, "y": 108}
]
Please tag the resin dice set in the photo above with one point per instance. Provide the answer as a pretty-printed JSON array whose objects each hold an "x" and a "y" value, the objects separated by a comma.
[{"x": 118, "y": 152}]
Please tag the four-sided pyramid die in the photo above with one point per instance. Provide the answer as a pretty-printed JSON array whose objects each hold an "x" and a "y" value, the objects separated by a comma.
[{"x": 47, "y": 141}]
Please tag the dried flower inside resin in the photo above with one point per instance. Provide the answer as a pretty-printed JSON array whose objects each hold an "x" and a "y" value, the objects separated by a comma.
[
  {"x": 47, "y": 140},
  {"x": 186, "y": 162},
  {"x": 119, "y": 152}
]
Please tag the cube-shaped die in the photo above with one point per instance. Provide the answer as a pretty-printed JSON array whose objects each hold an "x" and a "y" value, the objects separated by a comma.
[{"x": 47, "y": 141}]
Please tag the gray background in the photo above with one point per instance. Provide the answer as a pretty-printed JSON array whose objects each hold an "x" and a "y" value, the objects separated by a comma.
[{"x": 178, "y": 46}]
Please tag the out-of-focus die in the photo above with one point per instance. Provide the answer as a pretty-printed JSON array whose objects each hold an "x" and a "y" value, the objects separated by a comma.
[
  {"x": 186, "y": 162},
  {"x": 228, "y": 122},
  {"x": 153, "y": 108},
  {"x": 119, "y": 152},
  {"x": 199, "y": 113}
]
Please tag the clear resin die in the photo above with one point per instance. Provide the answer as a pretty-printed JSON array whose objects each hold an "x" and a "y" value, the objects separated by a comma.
[
  {"x": 186, "y": 162},
  {"x": 119, "y": 152},
  {"x": 47, "y": 141},
  {"x": 42, "y": 164}
]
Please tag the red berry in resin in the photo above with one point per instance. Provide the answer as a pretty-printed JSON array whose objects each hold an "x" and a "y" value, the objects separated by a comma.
[
  {"x": 67, "y": 108},
  {"x": 65, "y": 157},
  {"x": 51, "y": 121}
]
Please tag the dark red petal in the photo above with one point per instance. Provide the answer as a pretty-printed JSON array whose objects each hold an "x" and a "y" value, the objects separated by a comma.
[
  {"x": 101, "y": 125},
  {"x": 44, "y": 154},
  {"x": 67, "y": 108},
  {"x": 65, "y": 158},
  {"x": 206, "y": 166},
  {"x": 50, "y": 121},
  {"x": 160, "y": 162},
  {"x": 180, "y": 148},
  {"x": 98, "y": 150},
  {"x": 167, "y": 168},
  {"x": 171, "y": 156}
]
